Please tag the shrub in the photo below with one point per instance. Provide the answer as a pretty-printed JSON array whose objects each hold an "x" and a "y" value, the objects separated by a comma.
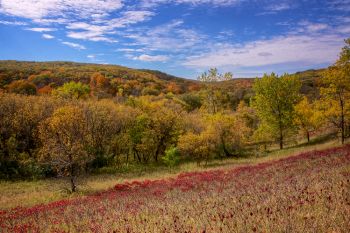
[
  {"x": 172, "y": 157},
  {"x": 22, "y": 87}
]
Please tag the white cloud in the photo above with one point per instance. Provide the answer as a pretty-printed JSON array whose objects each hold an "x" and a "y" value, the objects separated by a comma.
[
  {"x": 41, "y": 29},
  {"x": 149, "y": 58},
  {"x": 153, "y": 3},
  {"x": 47, "y": 36},
  {"x": 168, "y": 37},
  {"x": 100, "y": 32},
  {"x": 90, "y": 35},
  {"x": 279, "y": 6},
  {"x": 343, "y": 29},
  {"x": 16, "y": 23},
  {"x": 313, "y": 27},
  {"x": 292, "y": 49},
  {"x": 39, "y": 9},
  {"x": 130, "y": 17},
  {"x": 74, "y": 45},
  {"x": 129, "y": 50}
]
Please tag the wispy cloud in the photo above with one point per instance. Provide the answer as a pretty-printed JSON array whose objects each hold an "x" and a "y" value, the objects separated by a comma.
[
  {"x": 292, "y": 49},
  {"x": 340, "y": 5},
  {"x": 172, "y": 36},
  {"x": 150, "y": 58},
  {"x": 153, "y": 3},
  {"x": 281, "y": 6},
  {"x": 104, "y": 28},
  {"x": 41, "y": 29},
  {"x": 313, "y": 27},
  {"x": 74, "y": 45},
  {"x": 129, "y": 50},
  {"x": 48, "y": 36},
  {"x": 41, "y": 9},
  {"x": 16, "y": 23}
]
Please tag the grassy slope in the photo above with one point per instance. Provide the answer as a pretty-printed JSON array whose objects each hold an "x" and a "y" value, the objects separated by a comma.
[
  {"x": 29, "y": 193},
  {"x": 308, "y": 192}
]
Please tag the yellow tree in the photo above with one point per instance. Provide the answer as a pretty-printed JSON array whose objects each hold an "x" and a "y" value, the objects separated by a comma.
[
  {"x": 65, "y": 141},
  {"x": 335, "y": 93},
  {"x": 306, "y": 117}
]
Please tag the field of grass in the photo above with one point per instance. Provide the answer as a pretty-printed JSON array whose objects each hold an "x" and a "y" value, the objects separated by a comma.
[
  {"x": 29, "y": 193},
  {"x": 289, "y": 192}
]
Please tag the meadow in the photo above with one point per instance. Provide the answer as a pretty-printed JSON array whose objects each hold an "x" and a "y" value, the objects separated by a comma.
[{"x": 307, "y": 192}]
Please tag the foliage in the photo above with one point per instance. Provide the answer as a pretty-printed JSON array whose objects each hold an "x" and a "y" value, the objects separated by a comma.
[
  {"x": 171, "y": 157},
  {"x": 22, "y": 87},
  {"x": 191, "y": 101},
  {"x": 100, "y": 86},
  {"x": 307, "y": 117},
  {"x": 113, "y": 78},
  {"x": 200, "y": 147},
  {"x": 65, "y": 141},
  {"x": 72, "y": 90},
  {"x": 335, "y": 92},
  {"x": 274, "y": 103},
  {"x": 213, "y": 95}
]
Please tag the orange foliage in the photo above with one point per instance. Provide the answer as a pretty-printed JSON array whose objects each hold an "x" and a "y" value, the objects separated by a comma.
[{"x": 46, "y": 90}]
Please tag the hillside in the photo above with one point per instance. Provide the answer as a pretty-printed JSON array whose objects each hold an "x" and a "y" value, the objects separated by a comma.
[
  {"x": 55, "y": 74},
  {"x": 132, "y": 81}
]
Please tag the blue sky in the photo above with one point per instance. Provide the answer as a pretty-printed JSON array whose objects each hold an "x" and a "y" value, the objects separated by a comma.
[{"x": 180, "y": 37}]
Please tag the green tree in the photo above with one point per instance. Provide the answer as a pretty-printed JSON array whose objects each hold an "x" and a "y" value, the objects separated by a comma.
[
  {"x": 191, "y": 101},
  {"x": 274, "y": 101},
  {"x": 335, "y": 93}
]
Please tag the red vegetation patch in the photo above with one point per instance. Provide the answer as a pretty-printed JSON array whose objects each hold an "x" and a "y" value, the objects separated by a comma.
[{"x": 297, "y": 192}]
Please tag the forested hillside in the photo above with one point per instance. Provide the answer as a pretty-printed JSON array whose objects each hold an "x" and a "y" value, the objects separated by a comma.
[{"x": 42, "y": 78}]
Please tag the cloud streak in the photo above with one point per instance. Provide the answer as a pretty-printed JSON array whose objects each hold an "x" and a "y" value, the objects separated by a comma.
[
  {"x": 292, "y": 49},
  {"x": 149, "y": 58},
  {"x": 74, "y": 45}
]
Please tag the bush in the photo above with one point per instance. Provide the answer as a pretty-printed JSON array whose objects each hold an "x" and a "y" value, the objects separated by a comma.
[
  {"x": 22, "y": 87},
  {"x": 172, "y": 157}
]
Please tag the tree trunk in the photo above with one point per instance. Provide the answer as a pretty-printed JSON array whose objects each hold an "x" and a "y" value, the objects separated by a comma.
[
  {"x": 280, "y": 128},
  {"x": 281, "y": 137},
  {"x": 281, "y": 142},
  {"x": 308, "y": 136},
  {"x": 159, "y": 148},
  {"x": 227, "y": 153},
  {"x": 72, "y": 183},
  {"x": 342, "y": 122},
  {"x": 137, "y": 155}
]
